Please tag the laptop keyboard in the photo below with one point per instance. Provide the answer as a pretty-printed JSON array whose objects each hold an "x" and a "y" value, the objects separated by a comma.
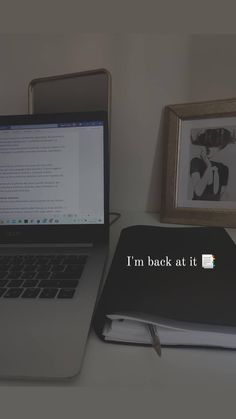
[{"x": 40, "y": 276}]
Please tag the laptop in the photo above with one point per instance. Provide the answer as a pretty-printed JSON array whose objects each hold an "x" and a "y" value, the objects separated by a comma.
[{"x": 54, "y": 233}]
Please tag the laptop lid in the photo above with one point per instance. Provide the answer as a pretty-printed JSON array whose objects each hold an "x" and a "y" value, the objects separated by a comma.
[{"x": 54, "y": 178}]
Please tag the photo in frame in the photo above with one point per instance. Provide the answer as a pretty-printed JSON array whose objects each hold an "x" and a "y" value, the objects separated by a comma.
[{"x": 199, "y": 179}]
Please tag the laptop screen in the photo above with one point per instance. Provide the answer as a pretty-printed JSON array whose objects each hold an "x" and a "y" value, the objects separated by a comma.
[{"x": 52, "y": 173}]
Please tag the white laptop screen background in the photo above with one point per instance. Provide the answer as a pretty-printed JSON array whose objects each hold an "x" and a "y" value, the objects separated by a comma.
[{"x": 52, "y": 174}]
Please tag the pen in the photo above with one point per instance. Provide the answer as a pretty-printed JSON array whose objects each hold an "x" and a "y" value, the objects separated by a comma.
[{"x": 155, "y": 338}]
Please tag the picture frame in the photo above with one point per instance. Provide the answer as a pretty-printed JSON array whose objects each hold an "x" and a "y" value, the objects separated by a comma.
[{"x": 199, "y": 176}]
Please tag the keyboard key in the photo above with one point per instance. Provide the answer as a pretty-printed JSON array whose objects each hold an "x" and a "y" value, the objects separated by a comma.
[
  {"x": 67, "y": 283},
  {"x": 29, "y": 268},
  {"x": 3, "y": 283},
  {"x": 30, "y": 283},
  {"x": 15, "y": 283},
  {"x": 31, "y": 293},
  {"x": 48, "y": 293},
  {"x": 2, "y": 290},
  {"x": 5, "y": 267},
  {"x": 43, "y": 269},
  {"x": 57, "y": 268},
  {"x": 14, "y": 275},
  {"x": 3, "y": 274},
  {"x": 28, "y": 275},
  {"x": 66, "y": 293},
  {"x": 43, "y": 275},
  {"x": 16, "y": 267},
  {"x": 67, "y": 275},
  {"x": 13, "y": 293},
  {"x": 29, "y": 262}
]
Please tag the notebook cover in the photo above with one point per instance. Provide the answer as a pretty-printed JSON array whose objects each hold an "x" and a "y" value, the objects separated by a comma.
[{"x": 183, "y": 293}]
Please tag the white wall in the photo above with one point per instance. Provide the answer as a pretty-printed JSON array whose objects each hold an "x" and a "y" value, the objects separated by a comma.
[{"x": 148, "y": 72}]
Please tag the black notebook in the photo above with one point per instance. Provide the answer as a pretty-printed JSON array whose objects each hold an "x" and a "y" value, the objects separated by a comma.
[{"x": 182, "y": 280}]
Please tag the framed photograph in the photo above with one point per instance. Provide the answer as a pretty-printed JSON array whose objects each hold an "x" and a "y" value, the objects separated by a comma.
[{"x": 199, "y": 179}]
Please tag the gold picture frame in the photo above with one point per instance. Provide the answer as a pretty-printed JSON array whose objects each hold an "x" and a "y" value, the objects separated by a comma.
[{"x": 190, "y": 181}]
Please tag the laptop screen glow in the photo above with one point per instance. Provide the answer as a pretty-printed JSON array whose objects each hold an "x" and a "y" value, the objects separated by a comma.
[{"x": 52, "y": 174}]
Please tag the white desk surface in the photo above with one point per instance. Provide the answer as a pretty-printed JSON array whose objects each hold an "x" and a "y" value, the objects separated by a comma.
[{"x": 120, "y": 381}]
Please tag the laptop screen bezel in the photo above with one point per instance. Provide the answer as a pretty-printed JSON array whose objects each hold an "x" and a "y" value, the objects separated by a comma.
[{"x": 76, "y": 233}]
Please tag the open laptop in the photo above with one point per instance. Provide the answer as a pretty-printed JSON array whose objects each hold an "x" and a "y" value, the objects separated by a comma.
[{"x": 53, "y": 239}]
